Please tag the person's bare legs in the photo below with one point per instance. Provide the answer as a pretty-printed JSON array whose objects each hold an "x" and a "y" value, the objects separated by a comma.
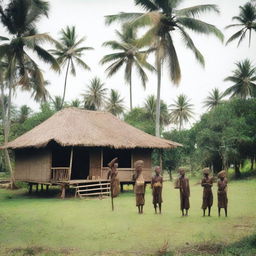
[
  {"x": 219, "y": 211},
  {"x": 209, "y": 211},
  {"x": 203, "y": 212},
  {"x": 186, "y": 212},
  {"x": 155, "y": 206},
  {"x": 226, "y": 212},
  {"x": 160, "y": 208}
]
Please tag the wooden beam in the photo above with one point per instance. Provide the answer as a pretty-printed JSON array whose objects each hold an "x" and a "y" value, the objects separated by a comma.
[
  {"x": 101, "y": 162},
  {"x": 70, "y": 163}
]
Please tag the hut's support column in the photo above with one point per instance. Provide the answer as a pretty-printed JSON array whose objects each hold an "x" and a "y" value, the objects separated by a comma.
[
  {"x": 36, "y": 187},
  {"x": 70, "y": 163},
  {"x": 63, "y": 191},
  {"x": 42, "y": 187},
  {"x": 47, "y": 187},
  {"x": 30, "y": 188}
]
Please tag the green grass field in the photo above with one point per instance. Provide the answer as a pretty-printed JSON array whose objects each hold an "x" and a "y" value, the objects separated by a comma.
[{"x": 45, "y": 225}]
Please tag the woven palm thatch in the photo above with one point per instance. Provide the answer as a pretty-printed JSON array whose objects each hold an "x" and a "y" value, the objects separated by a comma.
[{"x": 77, "y": 127}]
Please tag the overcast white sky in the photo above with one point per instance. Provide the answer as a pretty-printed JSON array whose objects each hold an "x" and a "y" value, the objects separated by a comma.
[{"x": 88, "y": 17}]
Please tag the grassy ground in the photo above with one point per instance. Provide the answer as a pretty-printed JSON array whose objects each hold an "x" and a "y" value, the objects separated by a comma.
[{"x": 46, "y": 225}]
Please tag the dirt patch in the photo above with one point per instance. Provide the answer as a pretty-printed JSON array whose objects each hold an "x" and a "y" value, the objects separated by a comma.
[{"x": 199, "y": 249}]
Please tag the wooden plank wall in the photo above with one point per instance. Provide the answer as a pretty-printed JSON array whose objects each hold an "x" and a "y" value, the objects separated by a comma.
[
  {"x": 33, "y": 165},
  {"x": 95, "y": 162}
]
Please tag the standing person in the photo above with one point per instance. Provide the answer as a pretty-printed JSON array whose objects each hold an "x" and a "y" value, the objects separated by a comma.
[
  {"x": 183, "y": 185},
  {"x": 113, "y": 176},
  {"x": 157, "y": 185},
  {"x": 222, "y": 192},
  {"x": 206, "y": 183},
  {"x": 140, "y": 186}
]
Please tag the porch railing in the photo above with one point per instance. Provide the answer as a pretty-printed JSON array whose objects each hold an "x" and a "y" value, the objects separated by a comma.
[{"x": 60, "y": 173}]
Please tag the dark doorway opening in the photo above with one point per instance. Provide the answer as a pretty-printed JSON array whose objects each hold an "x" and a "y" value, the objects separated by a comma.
[
  {"x": 81, "y": 164},
  {"x": 124, "y": 157}
]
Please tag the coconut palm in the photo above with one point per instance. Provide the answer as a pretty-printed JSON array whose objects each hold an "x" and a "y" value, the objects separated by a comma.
[
  {"x": 181, "y": 111},
  {"x": 214, "y": 99},
  {"x": 19, "y": 18},
  {"x": 75, "y": 103},
  {"x": 115, "y": 104},
  {"x": 243, "y": 79},
  {"x": 95, "y": 96},
  {"x": 246, "y": 21},
  {"x": 150, "y": 109},
  {"x": 165, "y": 21},
  {"x": 23, "y": 113},
  {"x": 57, "y": 103},
  {"x": 129, "y": 55},
  {"x": 69, "y": 52}
]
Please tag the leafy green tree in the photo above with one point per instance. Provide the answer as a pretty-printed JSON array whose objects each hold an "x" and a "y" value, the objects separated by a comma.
[
  {"x": 129, "y": 55},
  {"x": 246, "y": 21},
  {"x": 181, "y": 111},
  {"x": 243, "y": 79},
  {"x": 114, "y": 103},
  {"x": 214, "y": 99},
  {"x": 165, "y": 21},
  {"x": 75, "y": 103},
  {"x": 57, "y": 103},
  {"x": 69, "y": 53},
  {"x": 94, "y": 97},
  {"x": 137, "y": 118},
  {"x": 23, "y": 113}
]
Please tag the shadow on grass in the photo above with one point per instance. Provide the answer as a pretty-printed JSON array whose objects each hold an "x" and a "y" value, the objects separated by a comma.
[{"x": 245, "y": 247}]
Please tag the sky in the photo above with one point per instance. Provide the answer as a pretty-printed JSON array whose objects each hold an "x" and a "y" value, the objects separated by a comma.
[{"x": 196, "y": 82}]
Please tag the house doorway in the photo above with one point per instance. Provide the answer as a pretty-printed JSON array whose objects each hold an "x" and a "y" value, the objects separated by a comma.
[{"x": 80, "y": 164}]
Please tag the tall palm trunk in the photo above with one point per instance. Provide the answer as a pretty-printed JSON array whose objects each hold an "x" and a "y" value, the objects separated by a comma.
[
  {"x": 6, "y": 117},
  {"x": 131, "y": 90},
  {"x": 159, "y": 74},
  {"x": 65, "y": 84}
]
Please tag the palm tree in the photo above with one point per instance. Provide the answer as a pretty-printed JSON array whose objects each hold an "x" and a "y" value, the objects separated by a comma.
[
  {"x": 115, "y": 104},
  {"x": 69, "y": 53},
  {"x": 246, "y": 21},
  {"x": 95, "y": 95},
  {"x": 243, "y": 79},
  {"x": 23, "y": 113},
  {"x": 150, "y": 109},
  {"x": 165, "y": 20},
  {"x": 19, "y": 18},
  {"x": 75, "y": 103},
  {"x": 128, "y": 55},
  {"x": 214, "y": 99},
  {"x": 181, "y": 111},
  {"x": 57, "y": 103}
]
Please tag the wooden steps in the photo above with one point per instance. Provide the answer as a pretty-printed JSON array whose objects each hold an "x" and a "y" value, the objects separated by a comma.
[{"x": 98, "y": 188}]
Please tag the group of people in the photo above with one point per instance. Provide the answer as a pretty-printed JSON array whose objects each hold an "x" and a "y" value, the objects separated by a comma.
[{"x": 182, "y": 183}]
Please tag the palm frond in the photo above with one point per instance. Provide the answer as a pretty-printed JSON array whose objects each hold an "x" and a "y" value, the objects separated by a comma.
[
  {"x": 121, "y": 17},
  {"x": 197, "y": 10},
  {"x": 200, "y": 27}
]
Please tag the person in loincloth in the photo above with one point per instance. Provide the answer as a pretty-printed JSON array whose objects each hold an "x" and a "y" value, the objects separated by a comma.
[
  {"x": 140, "y": 186},
  {"x": 157, "y": 185},
  {"x": 222, "y": 192},
  {"x": 206, "y": 183},
  {"x": 113, "y": 176}
]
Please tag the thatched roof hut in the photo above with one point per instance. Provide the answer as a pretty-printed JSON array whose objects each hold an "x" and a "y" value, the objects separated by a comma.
[
  {"x": 78, "y": 127},
  {"x": 76, "y": 144}
]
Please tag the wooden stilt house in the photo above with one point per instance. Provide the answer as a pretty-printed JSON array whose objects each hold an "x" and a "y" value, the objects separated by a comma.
[{"x": 74, "y": 146}]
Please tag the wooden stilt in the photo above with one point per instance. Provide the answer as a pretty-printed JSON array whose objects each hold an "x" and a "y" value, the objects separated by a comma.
[
  {"x": 47, "y": 187},
  {"x": 36, "y": 187},
  {"x": 30, "y": 188},
  {"x": 122, "y": 187},
  {"x": 70, "y": 163},
  {"x": 42, "y": 187},
  {"x": 63, "y": 191}
]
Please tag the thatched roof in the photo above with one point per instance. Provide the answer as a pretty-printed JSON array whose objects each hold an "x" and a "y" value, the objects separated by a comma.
[{"x": 77, "y": 127}]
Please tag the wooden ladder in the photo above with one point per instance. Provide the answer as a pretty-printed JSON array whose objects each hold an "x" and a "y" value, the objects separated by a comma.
[{"x": 99, "y": 188}]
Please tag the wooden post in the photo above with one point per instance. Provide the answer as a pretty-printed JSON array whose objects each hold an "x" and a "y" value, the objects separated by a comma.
[
  {"x": 30, "y": 188},
  {"x": 36, "y": 187},
  {"x": 70, "y": 163},
  {"x": 63, "y": 191},
  {"x": 42, "y": 187},
  {"x": 47, "y": 187},
  {"x": 101, "y": 162}
]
